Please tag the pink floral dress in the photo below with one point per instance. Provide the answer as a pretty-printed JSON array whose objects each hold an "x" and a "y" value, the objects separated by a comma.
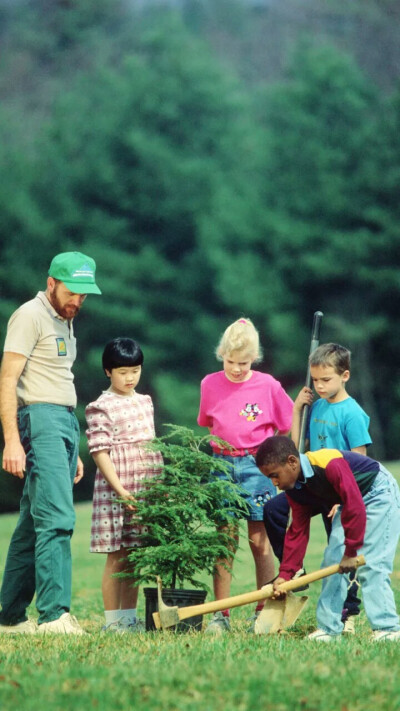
[{"x": 120, "y": 425}]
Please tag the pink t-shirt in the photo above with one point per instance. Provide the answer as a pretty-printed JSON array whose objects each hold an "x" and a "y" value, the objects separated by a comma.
[{"x": 245, "y": 413}]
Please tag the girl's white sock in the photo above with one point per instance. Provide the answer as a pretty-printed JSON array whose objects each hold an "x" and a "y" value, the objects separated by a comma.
[
  {"x": 112, "y": 616},
  {"x": 126, "y": 617}
]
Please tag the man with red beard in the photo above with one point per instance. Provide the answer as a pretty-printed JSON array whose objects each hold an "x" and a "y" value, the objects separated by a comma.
[{"x": 41, "y": 434}]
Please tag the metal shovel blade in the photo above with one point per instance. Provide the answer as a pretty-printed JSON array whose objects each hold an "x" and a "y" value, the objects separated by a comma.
[
  {"x": 278, "y": 615},
  {"x": 270, "y": 618}
]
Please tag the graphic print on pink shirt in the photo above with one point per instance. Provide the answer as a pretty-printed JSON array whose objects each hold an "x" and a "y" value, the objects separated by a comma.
[{"x": 244, "y": 414}]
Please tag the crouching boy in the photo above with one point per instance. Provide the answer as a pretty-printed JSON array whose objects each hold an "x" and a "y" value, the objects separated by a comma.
[{"x": 370, "y": 516}]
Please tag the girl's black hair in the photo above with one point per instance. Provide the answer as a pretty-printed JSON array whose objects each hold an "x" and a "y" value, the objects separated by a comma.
[{"x": 120, "y": 352}]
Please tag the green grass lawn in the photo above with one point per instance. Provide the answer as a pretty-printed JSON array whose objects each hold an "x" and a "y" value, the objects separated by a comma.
[{"x": 169, "y": 672}]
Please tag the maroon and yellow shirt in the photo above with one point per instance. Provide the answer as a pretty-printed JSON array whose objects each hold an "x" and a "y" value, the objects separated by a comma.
[{"x": 336, "y": 477}]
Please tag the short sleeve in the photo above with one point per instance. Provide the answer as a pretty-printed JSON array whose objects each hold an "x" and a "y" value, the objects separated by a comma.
[
  {"x": 356, "y": 429},
  {"x": 203, "y": 419},
  {"x": 283, "y": 409},
  {"x": 99, "y": 432},
  {"x": 23, "y": 333},
  {"x": 149, "y": 417}
]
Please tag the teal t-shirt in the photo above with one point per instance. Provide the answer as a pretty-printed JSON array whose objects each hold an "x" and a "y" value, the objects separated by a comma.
[{"x": 338, "y": 425}]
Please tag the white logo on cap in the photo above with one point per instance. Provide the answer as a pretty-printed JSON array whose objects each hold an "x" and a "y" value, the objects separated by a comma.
[{"x": 84, "y": 271}]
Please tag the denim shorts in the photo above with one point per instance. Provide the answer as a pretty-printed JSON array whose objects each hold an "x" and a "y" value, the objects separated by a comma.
[{"x": 257, "y": 489}]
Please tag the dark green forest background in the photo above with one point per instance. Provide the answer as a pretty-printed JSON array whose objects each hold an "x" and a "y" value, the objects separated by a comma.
[{"x": 217, "y": 159}]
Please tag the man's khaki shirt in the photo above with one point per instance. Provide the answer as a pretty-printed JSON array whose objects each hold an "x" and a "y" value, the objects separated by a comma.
[{"x": 36, "y": 331}]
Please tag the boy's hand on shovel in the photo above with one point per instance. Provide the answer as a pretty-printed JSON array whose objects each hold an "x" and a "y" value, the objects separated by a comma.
[
  {"x": 347, "y": 564},
  {"x": 278, "y": 594}
]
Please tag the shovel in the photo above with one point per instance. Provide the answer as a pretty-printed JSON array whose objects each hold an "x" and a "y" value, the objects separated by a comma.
[
  {"x": 278, "y": 615},
  {"x": 168, "y": 616}
]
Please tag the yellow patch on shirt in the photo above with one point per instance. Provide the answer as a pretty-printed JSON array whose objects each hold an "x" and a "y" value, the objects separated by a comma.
[
  {"x": 61, "y": 346},
  {"x": 322, "y": 457}
]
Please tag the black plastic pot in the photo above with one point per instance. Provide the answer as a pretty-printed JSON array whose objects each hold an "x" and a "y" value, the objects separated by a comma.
[{"x": 175, "y": 598}]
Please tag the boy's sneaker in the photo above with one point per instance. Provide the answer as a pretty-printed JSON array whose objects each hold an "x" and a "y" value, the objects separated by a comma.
[
  {"x": 322, "y": 636},
  {"x": 218, "y": 625},
  {"x": 121, "y": 627},
  {"x": 66, "y": 624},
  {"x": 26, "y": 627},
  {"x": 386, "y": 636},
  {"x": 299, "y": 574},
  {"x": 349, "y": 626}
]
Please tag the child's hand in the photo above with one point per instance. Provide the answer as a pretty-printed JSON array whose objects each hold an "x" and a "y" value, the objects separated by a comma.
[
  {"x": 79, "y": 471},
  {"x": 305, "y": 397},
  {"x": 278, "y": 593},
  {"x": 125, "y": 494},
  {"x": 333, "y": 511},
  {"x": 347, "y": 564}
]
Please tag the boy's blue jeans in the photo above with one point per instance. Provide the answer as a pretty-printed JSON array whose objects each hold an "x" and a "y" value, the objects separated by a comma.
[
  {"x": 276, "y": 518},
  {"x": 381, "y": 536},
  {"x": 39, "y": 556}
]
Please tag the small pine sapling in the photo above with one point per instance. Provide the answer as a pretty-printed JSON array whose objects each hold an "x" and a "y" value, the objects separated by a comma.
[{"x": 188, "y": 514}]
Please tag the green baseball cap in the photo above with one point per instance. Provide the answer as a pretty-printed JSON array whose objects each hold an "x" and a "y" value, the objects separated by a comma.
[{"x": 76, "y": 271}]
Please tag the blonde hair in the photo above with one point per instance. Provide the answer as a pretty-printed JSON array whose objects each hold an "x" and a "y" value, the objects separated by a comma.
[{"x": 240, "y": 336}]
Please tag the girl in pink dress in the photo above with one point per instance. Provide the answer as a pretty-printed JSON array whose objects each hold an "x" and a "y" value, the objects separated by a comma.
[
  {"x": 242, "y": 407},
  {"x": 120, "y": 423}
]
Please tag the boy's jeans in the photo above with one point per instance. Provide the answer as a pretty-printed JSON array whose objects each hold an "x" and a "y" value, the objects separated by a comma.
[
  {"x": 381, "y": 536},
  {"x": 39, "y": 556}
]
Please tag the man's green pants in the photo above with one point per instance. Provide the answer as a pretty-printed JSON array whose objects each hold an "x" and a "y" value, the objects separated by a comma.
[{"x": 39, "y": 556}]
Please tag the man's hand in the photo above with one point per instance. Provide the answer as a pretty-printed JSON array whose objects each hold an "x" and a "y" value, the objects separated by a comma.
[
  {"x": 79, "y": 471},
  {"x": 278, "y": 593},
  {"x": 347, "y": 565},
  {"x": 14, "y": 459}
]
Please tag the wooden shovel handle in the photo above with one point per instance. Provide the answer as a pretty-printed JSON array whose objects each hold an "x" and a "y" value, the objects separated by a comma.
[
  {"x": 316, "y": 575},
  {"x": 257, "y": 595}
]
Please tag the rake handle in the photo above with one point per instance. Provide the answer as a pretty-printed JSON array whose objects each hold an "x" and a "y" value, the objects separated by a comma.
[{"x": 316, "y": 327}]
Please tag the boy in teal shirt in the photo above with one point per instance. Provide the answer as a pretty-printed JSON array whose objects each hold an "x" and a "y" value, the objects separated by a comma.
[{"x": 336, "y": 421}]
